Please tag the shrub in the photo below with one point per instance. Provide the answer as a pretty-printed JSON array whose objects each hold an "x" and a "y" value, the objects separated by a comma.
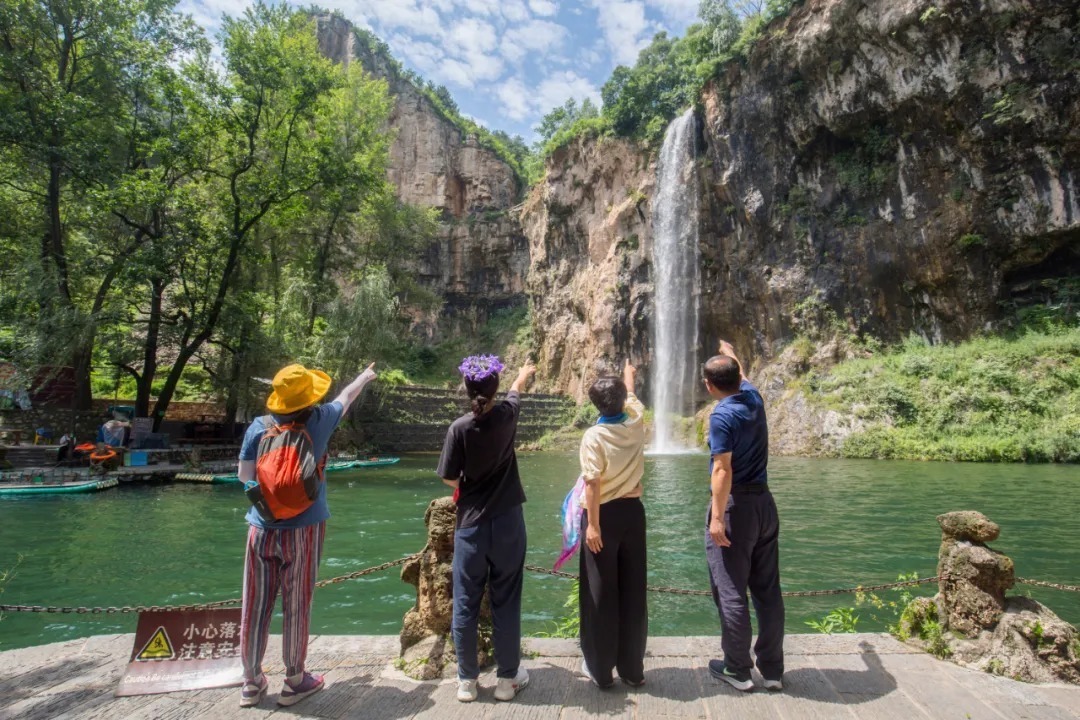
[
  {"x": 998, "y": 399},
  {"x": 840, "y": 620}
]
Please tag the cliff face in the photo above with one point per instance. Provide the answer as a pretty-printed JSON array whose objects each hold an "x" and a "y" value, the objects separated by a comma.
[
  {"x": 589, "y": 232},
  {"x": 479, "y": 260},
  {"x": 907, "y": 165},
  {"x": 876, "y": 168}
]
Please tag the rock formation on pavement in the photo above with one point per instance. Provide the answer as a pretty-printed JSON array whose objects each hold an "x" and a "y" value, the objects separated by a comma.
[
  {"x": 979, "y": 626},
  {"x": 426, "y": 646}
]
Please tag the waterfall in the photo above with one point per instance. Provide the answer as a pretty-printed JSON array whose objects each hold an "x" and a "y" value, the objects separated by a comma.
[{"x": 677, "y": 282}]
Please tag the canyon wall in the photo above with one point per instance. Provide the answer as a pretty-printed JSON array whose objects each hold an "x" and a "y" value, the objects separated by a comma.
[
  {"x": 479, "y": 259},
  {"x": 875, "y": 168},
  {"x": 589, "y": 230}
]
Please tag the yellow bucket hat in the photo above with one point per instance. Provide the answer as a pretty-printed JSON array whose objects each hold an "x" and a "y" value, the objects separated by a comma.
[{"x": 295, "y": 388}]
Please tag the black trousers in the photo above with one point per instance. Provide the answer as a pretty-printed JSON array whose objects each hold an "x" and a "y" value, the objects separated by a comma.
[
  {"x": 614, "y": 610},
  {"x": 751, "y": 562}
]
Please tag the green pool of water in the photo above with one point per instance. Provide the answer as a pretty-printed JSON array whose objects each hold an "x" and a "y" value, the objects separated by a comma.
[{"x": 843, "y": 523}]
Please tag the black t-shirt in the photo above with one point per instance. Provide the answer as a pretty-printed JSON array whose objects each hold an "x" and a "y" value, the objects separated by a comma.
[{"x": 480, "y": 452}]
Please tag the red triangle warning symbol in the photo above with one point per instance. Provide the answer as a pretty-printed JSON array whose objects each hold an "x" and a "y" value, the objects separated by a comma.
[{"x": 157, "y": 648}]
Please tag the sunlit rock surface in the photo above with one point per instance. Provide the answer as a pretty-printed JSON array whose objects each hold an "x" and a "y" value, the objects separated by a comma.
[{"x": 479, "y": 261}]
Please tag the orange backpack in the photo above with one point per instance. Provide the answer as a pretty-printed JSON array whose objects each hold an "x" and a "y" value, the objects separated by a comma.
[{"x": 286, "y": 469}]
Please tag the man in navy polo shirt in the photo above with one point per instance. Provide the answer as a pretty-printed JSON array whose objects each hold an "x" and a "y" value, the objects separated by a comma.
[{"x": 742, "y": 528}]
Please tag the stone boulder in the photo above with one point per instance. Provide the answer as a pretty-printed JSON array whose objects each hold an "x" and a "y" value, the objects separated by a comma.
[
  {"x": 974, "y": 578},
  {"x": 1029, "y": 643},
  {"x": 968, "y": 525},
  {"x": 973, "y": 623},
  {"x": 426, "y": 644}
]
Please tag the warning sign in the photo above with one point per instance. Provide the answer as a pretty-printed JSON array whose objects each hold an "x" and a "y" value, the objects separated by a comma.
[
  {"x": 184, "y": 651},
  {"x": 158, "y": 648}
]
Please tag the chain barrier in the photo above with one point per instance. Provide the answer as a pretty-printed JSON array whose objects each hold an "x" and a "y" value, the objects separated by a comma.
[
  {"x": 792, "y": 593},
  {"x": 1043, "y": 583},
  {"x": 367, "y": 571},
  {"x": 189, "y": 608},
  {"x": 112, "y": 610}
]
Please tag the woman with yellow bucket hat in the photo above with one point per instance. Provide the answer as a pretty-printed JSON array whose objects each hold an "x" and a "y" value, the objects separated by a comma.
[{"x": 283, "y": 554}]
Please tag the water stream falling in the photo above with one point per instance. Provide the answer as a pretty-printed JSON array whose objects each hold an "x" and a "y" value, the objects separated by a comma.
[{"x": 677, "y": 283}]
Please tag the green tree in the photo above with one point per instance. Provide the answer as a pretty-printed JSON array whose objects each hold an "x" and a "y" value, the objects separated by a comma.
[
  {"x": 565, "y": 116},
  {"x": 70, "y": 73},
  {"x": 723, "y": 23},
  {"x": 642, "y": 100},
  {"x": 268, "y": 155}
]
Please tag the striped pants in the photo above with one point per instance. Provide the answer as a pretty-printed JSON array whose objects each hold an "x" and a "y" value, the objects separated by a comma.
[{"x": 285, "y": 560}]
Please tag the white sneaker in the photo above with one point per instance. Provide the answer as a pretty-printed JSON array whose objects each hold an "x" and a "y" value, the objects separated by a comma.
[
  {"x": 774, "y": 685},
  {"x": 466, "y": 690},
  {"x": 507, "y": 688}
]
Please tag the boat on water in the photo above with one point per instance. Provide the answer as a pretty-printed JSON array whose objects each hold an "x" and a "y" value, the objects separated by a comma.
[
  {"x": 331, "y": 466},
  {"x": 63, "y": 488},
  {"x": 372, "y": 462},
  {"x": 208, "y": 478}
]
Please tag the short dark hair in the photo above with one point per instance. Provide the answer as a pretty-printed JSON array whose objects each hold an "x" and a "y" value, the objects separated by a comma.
[
  {"x": 723, "y": 373},
  {"x": 608, "y": 394}
]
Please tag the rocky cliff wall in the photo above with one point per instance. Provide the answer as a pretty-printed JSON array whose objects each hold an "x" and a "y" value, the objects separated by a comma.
[
  {"x": 479, "y": 259},
  {"x": 875, "y": 168},
  {"x": 906, "y": 164},
  {"x": 589, "y": 230}
]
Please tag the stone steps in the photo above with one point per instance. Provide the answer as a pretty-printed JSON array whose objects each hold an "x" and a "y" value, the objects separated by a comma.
[{"x": 415, "y": 419}]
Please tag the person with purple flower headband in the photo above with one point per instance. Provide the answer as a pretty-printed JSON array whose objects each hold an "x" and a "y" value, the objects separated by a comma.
[{"x": 479, "y": 462}]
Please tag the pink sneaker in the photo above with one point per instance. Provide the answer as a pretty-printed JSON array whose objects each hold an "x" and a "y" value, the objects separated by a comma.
[
  {"x": 309, "y": 685},
  {"x": 252, "y": 692}
]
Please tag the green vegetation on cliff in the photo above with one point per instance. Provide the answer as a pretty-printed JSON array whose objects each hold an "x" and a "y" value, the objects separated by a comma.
[
  {"x": 507, "y": 333},
  {"x": 668, "y": 77},
  {"x": 991, "y": 399}
]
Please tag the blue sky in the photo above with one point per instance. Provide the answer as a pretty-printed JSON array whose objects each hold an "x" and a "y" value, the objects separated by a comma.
[{"x": 506, "y": 62}]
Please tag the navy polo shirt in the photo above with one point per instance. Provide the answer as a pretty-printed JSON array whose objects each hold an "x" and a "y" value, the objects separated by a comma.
[{"x": 737, "y": 425}]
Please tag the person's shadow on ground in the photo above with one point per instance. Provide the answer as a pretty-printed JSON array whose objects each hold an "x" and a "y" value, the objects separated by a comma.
[
  {"x": 363, "y": 695},
  {"x": 841, "y": 685}
]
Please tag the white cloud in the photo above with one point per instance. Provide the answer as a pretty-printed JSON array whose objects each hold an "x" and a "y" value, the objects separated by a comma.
[
  {"x": 470, "y": 35},
  {"x": 424, "y": 56},
  {"x": 544, "y": 8},
  {"x": 467, "y": 7},
  {"x": 624, "y": 27},
  {"x": 514, "y": 11},
  {"x": 559, "y": 87},
  {"x": 415, "y": 16},
  {"x": 207, "y": 13},
  {"x": 676, "y": 12},
  {"x": 592, "y": 55},
  {"x": 520, "y": 102},
  {"x": 464, "y": 57},
  {"x": 536, "y": 36},
  {"x": 514, "y": 97}
]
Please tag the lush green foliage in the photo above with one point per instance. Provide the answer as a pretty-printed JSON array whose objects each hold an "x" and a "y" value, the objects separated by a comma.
[
  {"x": 569, "y": 625},
  {"x": 6, "y": 577},
  {"x": 568, "y": 122},
  {"x": 640, "y": 101},
  {"x": 920, "y": 620},
  {"x": 507, "y": 333},
  {"x": 182, "y": 225},
  {"x": 893, "y": 608},
  {"x": 998, "y": 399},
  {"x": 840, "y": 620}
]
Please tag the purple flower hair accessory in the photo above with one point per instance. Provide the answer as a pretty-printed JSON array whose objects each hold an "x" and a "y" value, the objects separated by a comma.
[{"x": 478, "y": 367}]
